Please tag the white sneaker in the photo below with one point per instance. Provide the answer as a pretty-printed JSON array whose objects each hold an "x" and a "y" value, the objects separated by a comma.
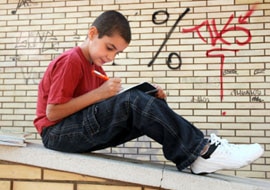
[{"x": 221, "y": 156}]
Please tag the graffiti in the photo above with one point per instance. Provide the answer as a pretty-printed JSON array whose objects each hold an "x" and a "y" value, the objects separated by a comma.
[
  {"x": 30, "y": 76},
  {"x": 157, "y": 13},
  {"x": 210, "y": 53},
  {"x": 15, "y": 58},
  {"x": 254, "y": 94},
  {"x": 21, "y": 3},
  {"x": 49, "y": 42},
  {"x": 76, "y": 38},
  {"x": 258, "y": 71},
  {"x": 256, "y": 99},
  {"x": 200, "y": 99},
  {"x": 173, "y": 54},
  {"x": 218, "y": 36},
  {"x": 230, "y": 72},
  {"x": 43, "y": 40},
  {"x": 248, "y": 92}
]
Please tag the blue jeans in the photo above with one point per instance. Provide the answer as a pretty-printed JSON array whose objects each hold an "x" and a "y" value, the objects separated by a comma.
[{"x": 125, "y": 117}]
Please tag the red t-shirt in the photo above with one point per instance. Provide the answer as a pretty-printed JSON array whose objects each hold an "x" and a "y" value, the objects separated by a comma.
[{"x": 68, "y": 76}]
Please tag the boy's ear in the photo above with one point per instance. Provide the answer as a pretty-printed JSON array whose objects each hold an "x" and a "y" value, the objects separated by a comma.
[{"x": 92, "y": 32}]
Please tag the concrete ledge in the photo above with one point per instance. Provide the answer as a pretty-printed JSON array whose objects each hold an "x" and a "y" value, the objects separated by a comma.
[{"x": 125, "y": 170}]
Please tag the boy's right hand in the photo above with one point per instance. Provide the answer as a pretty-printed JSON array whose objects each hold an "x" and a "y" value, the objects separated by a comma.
[{"x": 110, "y": 88}]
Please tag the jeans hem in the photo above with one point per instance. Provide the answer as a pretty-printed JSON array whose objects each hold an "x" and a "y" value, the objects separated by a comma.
[{"x": 193, "y": 156}]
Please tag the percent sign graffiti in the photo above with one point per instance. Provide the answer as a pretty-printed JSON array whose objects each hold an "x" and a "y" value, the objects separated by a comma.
[{"x": 169, "y": 60}]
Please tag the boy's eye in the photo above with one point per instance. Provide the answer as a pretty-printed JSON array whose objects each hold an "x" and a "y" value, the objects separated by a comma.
[{"x": 109, "y": 48}]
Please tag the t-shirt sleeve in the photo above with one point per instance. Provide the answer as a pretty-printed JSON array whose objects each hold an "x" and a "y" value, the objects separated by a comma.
[{"x": 64, "y": 79}]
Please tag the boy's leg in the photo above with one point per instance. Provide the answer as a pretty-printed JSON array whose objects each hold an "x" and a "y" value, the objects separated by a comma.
[
  {"x": 133, "y": 114},
  {"x": 122, "y": 118}
]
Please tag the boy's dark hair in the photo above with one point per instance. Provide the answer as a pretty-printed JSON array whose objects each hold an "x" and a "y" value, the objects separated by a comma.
[{"x": 111, "y": 22}]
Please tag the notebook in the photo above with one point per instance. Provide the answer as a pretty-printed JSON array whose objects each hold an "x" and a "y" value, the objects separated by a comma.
[{"x": 146, "y": 87}]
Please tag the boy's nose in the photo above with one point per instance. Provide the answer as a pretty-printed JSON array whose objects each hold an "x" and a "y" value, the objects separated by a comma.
[{"x": 111, "y": 56}]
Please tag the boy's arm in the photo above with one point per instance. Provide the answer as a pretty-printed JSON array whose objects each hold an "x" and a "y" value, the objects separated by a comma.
[{"x": 108, "y": 89}]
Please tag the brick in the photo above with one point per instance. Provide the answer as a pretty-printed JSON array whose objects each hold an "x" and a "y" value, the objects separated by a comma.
[
  {"x": 12, "y": 117},
  {"x": 65, "y": 21},
  {"x": 168, "y": 5},
  {"x": 41, "y": 10},
  {"x": 250, "y": 174},
  {"x": 191, "y": 105},
  {"x": 6, "y": 123},
  {"x": 102, "y": 2},
  {"x": 193, "y": 3},
  {"x": 250, "y": 133},
  {"x": 261, "y": 140},
  {"x": 16, "y": 23},
  {"x": 248, "y": 1},
  {"x": 249, "y": 105},
  {"x": 250, "y": 119},
  {"x": 13, "y": 105},
  {"x": 111, "y": 7},
  {"x": 53, "y": 16},
  {"x": 106, "y": 187},
  {"x": 43, "y": 21},
  {"x": 261, "y": 59},
  {"x": 195, "y": 118},
  {"x": 238, "y": 140},
  {"x": 65, "y": 176},
  {"x": 137, "y": 143},
  {"x": 149, "y": 188},
  {"x": 130, "y": 1},
  {"x": 260, "y": 112},
  {"x": 207, "y": 9},
  {"x": 136, "y": 6},
  {"x": 90, "y": 8},
  {"x": 9, "y": 17},
  {"x": 77, "y": 14},
  {"x": 53, "y": 4},
  {"x": 5, "y": 185},
  {"x": 19, "y": 172},
  {"x": 6, "y": 99},
  {"x": 21, "y": 185},
  {"x": 28, "y": 28},
  {"x": 24, "y": 124}
]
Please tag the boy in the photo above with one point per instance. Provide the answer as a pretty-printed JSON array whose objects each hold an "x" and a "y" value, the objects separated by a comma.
[{"x": 80, "y": 112}]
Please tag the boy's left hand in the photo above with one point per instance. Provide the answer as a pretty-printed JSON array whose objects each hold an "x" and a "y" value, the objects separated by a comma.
[{"x": 160, "y": 93}]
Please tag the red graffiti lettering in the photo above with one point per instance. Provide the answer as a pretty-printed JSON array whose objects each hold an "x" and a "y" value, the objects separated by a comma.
[{"x": 217, "y": 36}]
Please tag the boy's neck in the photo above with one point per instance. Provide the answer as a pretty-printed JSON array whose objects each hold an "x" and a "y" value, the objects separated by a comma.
[{"x": 84, "y": 48}]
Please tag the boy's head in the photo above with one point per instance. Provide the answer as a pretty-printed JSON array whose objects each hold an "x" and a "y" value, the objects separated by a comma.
[{"x": 113, "y": 22}]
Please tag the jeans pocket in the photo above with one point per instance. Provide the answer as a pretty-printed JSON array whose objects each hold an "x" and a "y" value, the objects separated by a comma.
[{"x": 89, "y": 122}]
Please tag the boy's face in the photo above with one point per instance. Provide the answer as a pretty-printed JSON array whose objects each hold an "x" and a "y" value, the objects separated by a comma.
[{"x": 103, "y": 50}]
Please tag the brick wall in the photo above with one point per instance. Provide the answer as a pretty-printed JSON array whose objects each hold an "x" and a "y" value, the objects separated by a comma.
[
  {"x": 230, "y": 97},
  {"x": 22, "y": 177}
]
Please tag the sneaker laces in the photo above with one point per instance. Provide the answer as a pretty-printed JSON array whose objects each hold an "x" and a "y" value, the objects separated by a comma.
[
  {"x": 226, "y": 146},
  {"x": 214, "y": 139}
]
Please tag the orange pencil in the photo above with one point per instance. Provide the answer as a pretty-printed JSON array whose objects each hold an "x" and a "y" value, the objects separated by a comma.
[{"x": 98, "y": 74}]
